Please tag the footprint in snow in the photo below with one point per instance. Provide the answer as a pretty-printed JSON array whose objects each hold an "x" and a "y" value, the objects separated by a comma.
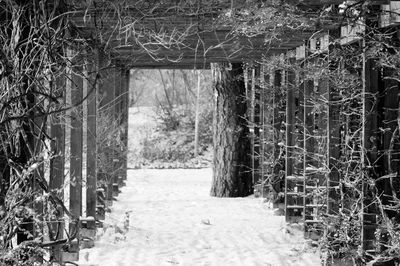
[{"x": 206, "y": 221}]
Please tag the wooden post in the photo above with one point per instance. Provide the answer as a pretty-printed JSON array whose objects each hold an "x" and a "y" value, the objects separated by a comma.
[
  {"x": 196, "y": 126},
  {"x": 277, "y": 125},
  {"x": 290, "y": 121},
  {"x": 369, "y": 152},
  {"x": 105, "y": 108},
  {"x": 262, "y": 140},
  {"x": 391, "y": 155},
  {"x": 267, "y": 128},
  {"x": 90, "y": 139},
  {"x": 308, "y": 124},
  {"x": 117, "y": 110},
  {"x": 76, "y": 149},
  {"x": 251, "y": 94},
  {"x": 333, "y": 144},
  {"x": 299, "y": 165},
  {"x": 125, "y": 118},
  {"x": 257, "y": 124},
  {"x": 56, "y": 182},
  {"x": 308, "y": 142},
  {"x": 73, "y": 158}
]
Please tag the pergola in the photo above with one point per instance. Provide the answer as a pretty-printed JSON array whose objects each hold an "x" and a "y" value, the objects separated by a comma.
[{"x": 186, "y": 35}]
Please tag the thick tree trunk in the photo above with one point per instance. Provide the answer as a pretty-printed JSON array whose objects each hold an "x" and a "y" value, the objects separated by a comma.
[{"x": 231, "y": 171}]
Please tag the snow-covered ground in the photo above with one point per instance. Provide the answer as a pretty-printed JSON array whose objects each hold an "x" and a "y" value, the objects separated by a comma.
[{"x": 174, "y": 221}]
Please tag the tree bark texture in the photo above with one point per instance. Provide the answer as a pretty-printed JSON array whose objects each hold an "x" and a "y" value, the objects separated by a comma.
[{"x": 231, "y": 167}]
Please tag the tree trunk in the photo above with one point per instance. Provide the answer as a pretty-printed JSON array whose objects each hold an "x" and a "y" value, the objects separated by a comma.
[{"x": 231, "y": 171}]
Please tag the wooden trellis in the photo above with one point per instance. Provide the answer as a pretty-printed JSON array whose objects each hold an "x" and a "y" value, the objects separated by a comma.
[{"x": 299, "y": 125}]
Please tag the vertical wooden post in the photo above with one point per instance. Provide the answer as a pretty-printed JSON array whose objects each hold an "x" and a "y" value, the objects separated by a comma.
[
  {"x": 251, "y": 94},
  {"x": 125, "y": 118},
  {"x": 290, "y": 121},
  {"x": 308, "y": 124},
  {"x": 268, "y": 126},
  {"x": 299, "y": 165},
  {"x": 67, "y": 144},
  {"x": 105, "y": 108},
  {"x": 75, "y": 188},
  {"x": 256, "y": 120},
  {"x": 56, "y": 182},
  {"x": 196, "y": 126},
  {"x": 117, "y": 108},
  {"x": 333, "y": 144},
  {"x": 308, "y": 142},
  {"x": 369, "y": 151},
  {"x": 391, "y": 155},
  {"x": 91, "y": 149},
  {"x": 277, "y": 126},
  {"x": 262, "y": 127}
]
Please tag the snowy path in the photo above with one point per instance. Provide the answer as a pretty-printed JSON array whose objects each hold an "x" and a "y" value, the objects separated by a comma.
[{"x": 174, "y": 221}]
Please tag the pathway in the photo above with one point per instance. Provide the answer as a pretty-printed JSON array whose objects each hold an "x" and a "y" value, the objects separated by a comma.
[{"x": 174, "y": 221}]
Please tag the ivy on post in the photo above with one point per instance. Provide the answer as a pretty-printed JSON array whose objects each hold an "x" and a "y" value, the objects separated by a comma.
[
  {"x": 333, "y": 144},
  {"x": 268, "y": 130},
  {"x": 369, "y": 153}
]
